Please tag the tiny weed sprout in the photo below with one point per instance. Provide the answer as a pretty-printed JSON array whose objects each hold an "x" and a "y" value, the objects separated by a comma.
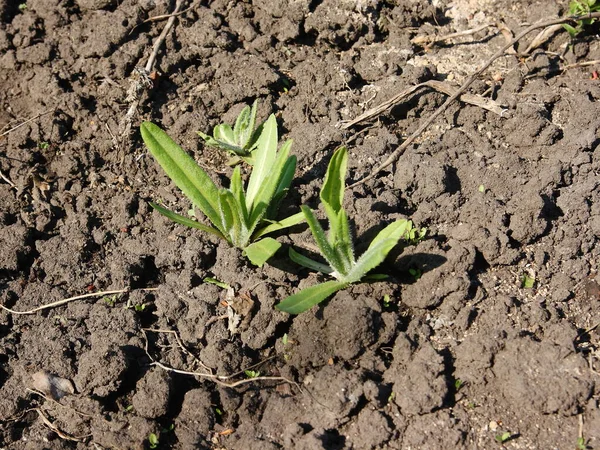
[
  {"x": 240, "y": 216},
  {"x": 240, "y": 140},
  {"x": 581, "y": 445},
  {"x": 153, "y": 441},
  {"x": 581, "y": 8},
  {"x": 337, "y": 246},
  {"x": 503, "y": 438},
  {"x": 252, "y": 373},
  {"x": 527, "y": 281}
]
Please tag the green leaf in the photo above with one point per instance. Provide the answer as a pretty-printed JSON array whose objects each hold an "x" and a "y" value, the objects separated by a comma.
[
  {"x": 343, "y": 245},
  {"x": 283, "y": 184},
  {"x": 264, "y": 157},
  {"x": 394, "y": 230},
  {"x": 216, "y": 282},
  {"x": 309, "y": 297},
  {"x": 369, "y": 260},
  {"x": 182, "y": 220},
  {"x": 244, "y": 125},
  {"x": 265, "y": 192},
  {"x": 308, "y": 262},
  {"x": 229, "y": 218},
  {"x": 325, "y": 247},
  {"x": 183, "y": 170},
  {"x": 332, "y": 192},
  {"x": 280, "y": 225},
  {"x": 260, "y": 251},
  {"x": 237, "y": 189},
  {"x": 224, "y": 133}
]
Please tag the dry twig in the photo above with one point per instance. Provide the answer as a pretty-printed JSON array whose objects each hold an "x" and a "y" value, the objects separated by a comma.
[
  {"x": 429, "y": 40},
  {"x": 27, "y": 121},
  {"x": 70, "y": 299},
  {"x": 401, "y": 148},
  {"x": 476, "y": 100}
]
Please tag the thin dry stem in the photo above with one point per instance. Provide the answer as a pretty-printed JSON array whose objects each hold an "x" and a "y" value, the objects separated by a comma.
[
  {"x": 70, "y": 299},
  {"x": 400, "y": 150},
  {"x": 27, "y": 121}
]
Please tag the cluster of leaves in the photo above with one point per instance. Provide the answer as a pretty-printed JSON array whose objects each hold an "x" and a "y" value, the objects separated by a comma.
[
  {"x": 581, "y": 8},
  {"x": 243, "y": 216},
  {"x": 240, "y": 216},
  {"x": 337, "y": 246}
]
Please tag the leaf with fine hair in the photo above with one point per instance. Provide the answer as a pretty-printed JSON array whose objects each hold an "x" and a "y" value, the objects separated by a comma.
[
  {"x": 325, "y": 247},
  {"x": 264, "y": 156},
  {"x": 309, "y": 297},
  {"x": 182, "y": 220},
  {"x": 237, "y": 189},
  {"x": 369, "y": 260},
  {"x": 343, "y": 244},
  {"x": 224, "y": 133},
  {"x": 183, "y": 170},
  {"x": 259, "y": 252},
  {"x": 266, "y": 190},
  {"x": 332, "y": 192},
  {"x": 309, "y": 263},
  {"x": 283, "y": 184},
  {"x": 394, "y": 230},
  {"x": 244, "y": 125}
]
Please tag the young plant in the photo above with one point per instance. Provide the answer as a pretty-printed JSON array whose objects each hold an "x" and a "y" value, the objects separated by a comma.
[
  {"x": 240, "y": 140},
  {"x": 337, "y": 247},
  {"x": 240, "y": 216},
  {"x": 581, "y": 8}
]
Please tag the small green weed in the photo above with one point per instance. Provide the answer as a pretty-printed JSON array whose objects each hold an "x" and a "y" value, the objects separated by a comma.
[
  {"x": 110, "y": 300},
  {"x": 216, "y": 282},
  {"x": 337, "y": 247},
  {"x": 527, "y": 281},
  {"x": 252, "y": 373},
  {"x": 581, "y": 8},
  {"x": 581, "y": 445},
  {"x": 503, "y": 438},
  {"x": 415, "y": 273},
  {"x": 241, "y": 140},
  {"x": 23, "y": 7},
  {"x": 458, "y": 384},
  {"x": 153, "y": 441},
  {"x": 240, "y": 216}
]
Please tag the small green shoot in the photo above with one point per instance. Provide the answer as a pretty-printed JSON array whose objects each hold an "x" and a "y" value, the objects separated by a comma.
[
  {"x": 153, "y": 441},
  {"x": 240, "y": 216},
  {"x": 42, "y": 145},
  {"x": 241, "y": 140},
  {"x": 581, "y": 445},
  {"x": 581, "y": 8},
  {"x": 415, "y": 273},
  {"x": 128, "y": 408},
  {"x": 458, "y": 384},
  {"x": 527, "y": 281},
  {"x": 252, "y": 373},
  {"x": 387, "y": 302},
  {"x": 110, "y": 300},
  {"x": 337, "y": 247},
  {"x": 23, "y": 7},
  {"x": 481, "y": 188},
  {"x": 391, "y": 397},
  {"x": 503, "y": 438},
  {"x": 284, "y": 339},
  {"x": 218, "y": 412},
  {"x": 169, "y": 428},
  {"x": 216, "y": 282},
  {"x": 415, "y": 235}
]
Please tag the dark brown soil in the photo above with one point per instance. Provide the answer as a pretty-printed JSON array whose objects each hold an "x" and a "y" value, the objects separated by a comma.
[{"x": 457, "y": 358}]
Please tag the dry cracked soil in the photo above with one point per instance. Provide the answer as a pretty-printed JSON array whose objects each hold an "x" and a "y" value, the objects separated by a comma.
[{"x": 485, "y": 331}]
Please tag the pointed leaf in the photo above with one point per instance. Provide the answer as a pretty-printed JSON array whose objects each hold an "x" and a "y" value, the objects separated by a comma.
[
  {"x": 394, "y": 230},
  {"x": 237, "y": 189},
  {"x": 276, "y": 226},
  {"x": 344, "y": 246},
  {"x": 244, "y": 126},
  {"x": 183, "y": 170},
  {"x": 264, "y": 157},
  {"x": 332, "y": 192},
  {"x": 319, "y": 234},
  {"x": 308, "y": 262},
  {"x": 228, "y": 219},
  {"x": 309, "y": 297},
  {"x": 182, "y": 220},
  {"x": 267, "y": 189},
  {"x": 369, "y": 260},
  {"x": 283, "y": 184},
  {"x": 259, "y": 252}
]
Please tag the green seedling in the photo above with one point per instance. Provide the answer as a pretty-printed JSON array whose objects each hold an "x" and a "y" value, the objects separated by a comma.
[
  {"x": 387, "y": 302},
  {"x": 252, "y": 373},
  {"x": 581, "y": 8},
  {"x": 241, "y": 140},
  {"x": 240, "y": 216},
  {"x": 43, "y": 145},
  {"x": 153, "y": 441},
  {"x": 458, "y": 384},
  {"x": 284, "y": 339},
  {"x": 23, "y": 7},
  {"x": 581, "y": 445},
  {"x": 110, "y": 300},
  {"x": 216, "y": 282},
  {"x": 415, "y": 273},
  {"x": 527, "y": 281},
  {"x": 503, "y": 438},
  {"x": 337, "y": 246}
]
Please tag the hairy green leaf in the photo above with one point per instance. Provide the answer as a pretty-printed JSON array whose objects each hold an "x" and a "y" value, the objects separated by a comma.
[
  {"x": 394, "y": 230},
  {"x": 183, "y": 170},
  {"x": 332, "y": 192},
  {"x": 325, "y": 247},
  {"x": 308, "y": 262},
  {"x": 260, "y": 251},
  {"x": 309, "y": 297},
  {"x": 369, "y": 260},
  {"x": 264, "y": 157}
]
